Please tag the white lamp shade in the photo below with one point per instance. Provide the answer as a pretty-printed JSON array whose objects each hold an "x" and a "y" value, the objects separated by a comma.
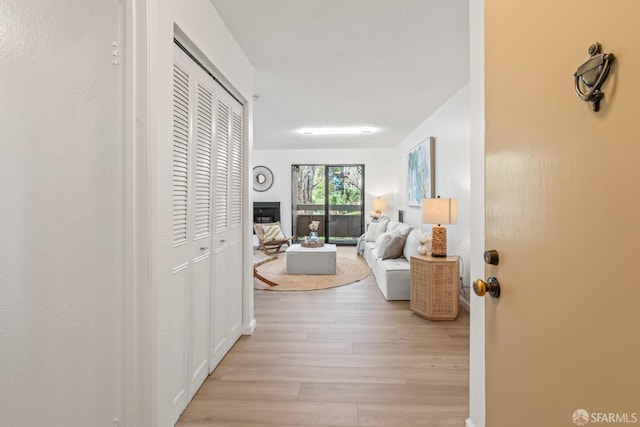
[
  {"x": 439, "y": 211},
  {"x": 379, "y": 204}
]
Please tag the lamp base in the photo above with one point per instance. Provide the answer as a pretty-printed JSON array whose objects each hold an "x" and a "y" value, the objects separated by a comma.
[{"x": 439, "y": 241}]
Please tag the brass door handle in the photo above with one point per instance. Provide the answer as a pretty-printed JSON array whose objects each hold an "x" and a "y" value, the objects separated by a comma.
[{"x": 492, "y": 286}]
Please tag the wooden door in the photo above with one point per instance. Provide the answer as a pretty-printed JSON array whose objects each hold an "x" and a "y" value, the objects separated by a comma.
[{"x": 562, "y": 210}]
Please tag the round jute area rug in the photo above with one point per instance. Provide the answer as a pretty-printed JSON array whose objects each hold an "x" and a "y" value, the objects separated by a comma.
[{"x": 348, "y": 270}]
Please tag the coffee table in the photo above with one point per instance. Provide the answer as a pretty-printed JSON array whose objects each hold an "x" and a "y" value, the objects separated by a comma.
[{"x": 301, "y": 260}]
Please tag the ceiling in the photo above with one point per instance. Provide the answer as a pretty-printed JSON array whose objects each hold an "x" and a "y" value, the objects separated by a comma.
[{"x": 387, "y": 64}]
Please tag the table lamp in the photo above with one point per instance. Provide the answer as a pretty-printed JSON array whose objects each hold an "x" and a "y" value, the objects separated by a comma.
[
  {"x": 379, "y": 204},
  {"x": 438, "y": 212}
]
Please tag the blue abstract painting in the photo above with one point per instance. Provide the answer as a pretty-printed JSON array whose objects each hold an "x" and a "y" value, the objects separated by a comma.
[{"x": 420, "y": 173}]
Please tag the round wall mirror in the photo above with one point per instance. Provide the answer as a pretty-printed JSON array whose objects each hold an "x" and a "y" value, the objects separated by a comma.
[{"x": 262, "y": 178}]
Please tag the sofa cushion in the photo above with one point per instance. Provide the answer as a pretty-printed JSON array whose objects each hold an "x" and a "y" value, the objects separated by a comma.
[
  {"x": 382, "y": 241},
  {"x": 392, "y": 226},
  {"x": 396, "y": 264},
  {"x": 370, "y": 246},
  {"x": 370, "y": 253},
  {"x": 272, "y": 232},
  {"x": 394, "y": 278},
  {"x": 404, "y": 229},
  {"x": 394, "y": 248},
  {"x": 412, "y": 243},
  {"x": 375, "y": 230},
  {"x": 392, "y": 275}
]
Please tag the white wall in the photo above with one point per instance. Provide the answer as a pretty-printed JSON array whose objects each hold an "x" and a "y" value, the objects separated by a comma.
[
  {"x": 380, "y": 175},
  {"x": 202, "y": 27},
  {"x": 476, "y": 350},
  {"x": 450, "y": 127},
  {"x": 62, "y": 216}
]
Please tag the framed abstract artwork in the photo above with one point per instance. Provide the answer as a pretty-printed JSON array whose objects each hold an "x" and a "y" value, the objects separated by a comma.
[{"x": 421, "y": 172}]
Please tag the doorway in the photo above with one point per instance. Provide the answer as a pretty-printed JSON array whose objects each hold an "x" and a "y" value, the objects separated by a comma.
[{"x": 331, "y": 195}]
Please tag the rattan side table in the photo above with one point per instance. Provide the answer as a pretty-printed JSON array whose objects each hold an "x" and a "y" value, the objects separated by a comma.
[{"x": 434, "y": 287}]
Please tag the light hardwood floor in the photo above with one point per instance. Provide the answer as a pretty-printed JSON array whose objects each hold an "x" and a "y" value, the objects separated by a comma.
[{"x": 339, "y": 357}]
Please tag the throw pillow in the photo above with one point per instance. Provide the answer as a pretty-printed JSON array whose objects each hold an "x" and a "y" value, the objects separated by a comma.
[
  {"x": 404, "y": 229},
  {"x": 394, "y": 248},
  {"x": 382, "y": 241},
  {"x": 272, "y": 232},
  {"x": 392, "y": 226},
  {"x": 375, "y": 230},
  {"x": 412, "y": 243}
]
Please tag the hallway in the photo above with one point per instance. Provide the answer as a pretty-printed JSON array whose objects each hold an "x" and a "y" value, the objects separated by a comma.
[{"x": 339, "y": 357}]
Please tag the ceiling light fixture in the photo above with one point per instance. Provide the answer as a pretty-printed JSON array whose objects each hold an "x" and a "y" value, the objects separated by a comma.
[{"x": 338, "y": 131}]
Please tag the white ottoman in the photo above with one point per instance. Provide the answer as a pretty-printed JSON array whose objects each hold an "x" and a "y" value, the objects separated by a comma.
[{"x": 320, "y": 260}]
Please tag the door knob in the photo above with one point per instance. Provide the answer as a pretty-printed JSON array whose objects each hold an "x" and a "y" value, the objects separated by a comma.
[{"x": 492, "y": 286}]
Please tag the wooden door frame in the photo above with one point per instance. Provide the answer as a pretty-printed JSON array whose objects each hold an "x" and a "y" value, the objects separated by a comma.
[
  {"x": 138, "y": 405},
  {"x": 477, "y": 402}
]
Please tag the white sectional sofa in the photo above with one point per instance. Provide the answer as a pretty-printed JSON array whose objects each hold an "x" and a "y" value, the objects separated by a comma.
[{"x": 393, "y": 275}]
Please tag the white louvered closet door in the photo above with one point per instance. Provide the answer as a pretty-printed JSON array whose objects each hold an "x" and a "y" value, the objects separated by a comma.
[
  {"x": 234, "y": 297},
  {"x": 226, "y": 301},
  {"x": 181, "y": 274},
  {"x": 201, "y": 208},
  {"x": 192, "y": 145}
]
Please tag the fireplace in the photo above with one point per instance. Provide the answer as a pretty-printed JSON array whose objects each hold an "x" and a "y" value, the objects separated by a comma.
[{"x": 264, "y": 212}]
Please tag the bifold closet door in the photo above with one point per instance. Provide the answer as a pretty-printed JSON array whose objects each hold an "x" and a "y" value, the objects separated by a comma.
[
  {"x": 226, "y": 298},
  {"x": 192, "y": 146},
  {"x": 207, "y": 181}
]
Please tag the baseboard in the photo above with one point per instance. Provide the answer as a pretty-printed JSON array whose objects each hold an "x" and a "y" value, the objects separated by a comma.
[
  {"x": 468, "y": 423},
  {"x": 465, "y": 304},
  {"x": 250, "y": 328}
]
